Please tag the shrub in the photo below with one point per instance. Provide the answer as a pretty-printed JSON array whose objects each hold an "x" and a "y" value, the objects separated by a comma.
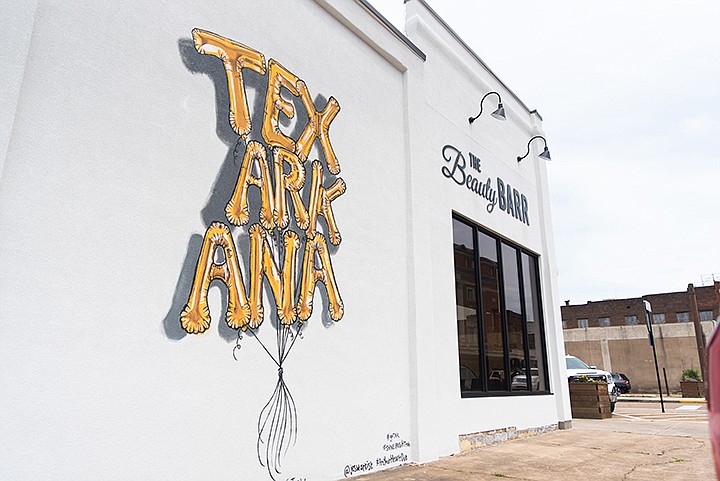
[
  {"x": 691, "y": 374},
  {"x": 583, "y": 378}
]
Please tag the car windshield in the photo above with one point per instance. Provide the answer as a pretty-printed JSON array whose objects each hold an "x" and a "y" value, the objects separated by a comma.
[{"x": 575, "y": 363}]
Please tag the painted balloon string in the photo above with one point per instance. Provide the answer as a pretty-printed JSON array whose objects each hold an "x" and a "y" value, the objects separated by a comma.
[{"x": 277, "y": 424}]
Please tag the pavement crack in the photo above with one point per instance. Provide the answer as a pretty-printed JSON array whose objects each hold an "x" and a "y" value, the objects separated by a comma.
[
  {"x": 625, "y": 476},
  {"x": 495, "y": 473}
]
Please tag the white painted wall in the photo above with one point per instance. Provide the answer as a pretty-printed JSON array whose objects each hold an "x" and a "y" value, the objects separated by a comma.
[
  {"x": 119, "y": 156},
  {"x": 453, "y": 82},
  {"x": 16, "y": 24}
]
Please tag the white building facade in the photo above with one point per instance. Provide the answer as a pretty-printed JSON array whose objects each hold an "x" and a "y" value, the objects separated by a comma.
[{"x": 262, "y": 240}]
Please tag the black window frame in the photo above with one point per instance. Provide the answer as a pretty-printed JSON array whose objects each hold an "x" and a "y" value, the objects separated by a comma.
[{"x": 483, "y": 391}]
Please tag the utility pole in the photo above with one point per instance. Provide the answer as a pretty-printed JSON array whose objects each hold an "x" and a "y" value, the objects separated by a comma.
[
  {"x": 651, "y": 338},
  {"x": 695, "y": 317}
]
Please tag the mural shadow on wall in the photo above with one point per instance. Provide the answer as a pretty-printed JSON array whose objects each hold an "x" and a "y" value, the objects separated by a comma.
[
  {"x": 221, "y": 191},
  {"x": 171, "y": 323},
  {"x": 211, "y": 66}
]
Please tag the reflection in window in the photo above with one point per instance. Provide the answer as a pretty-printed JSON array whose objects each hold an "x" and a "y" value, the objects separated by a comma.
[
  {"x": 466, "y": 302},
  {"x": 603, "y": 321},
  {"x": 514, "y": 316},
  {"x": 492, "y": 317},
  {"x": 659, "y": 318},
  {"x": 500, "y": 331},
  {"x": 631, "y": 320},
  {"x": 536, "y": 353},
  {"x": 582, "y": 323},
  {"x": 683, "y": 317},
  {"x": 706, "y": 316}
]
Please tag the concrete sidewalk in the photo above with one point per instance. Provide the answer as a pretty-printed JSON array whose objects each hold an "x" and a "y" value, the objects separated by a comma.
[{"x": 622, "y": 448}]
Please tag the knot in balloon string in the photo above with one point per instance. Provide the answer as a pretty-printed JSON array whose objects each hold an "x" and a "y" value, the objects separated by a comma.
[{"x": 237, "y": 344}]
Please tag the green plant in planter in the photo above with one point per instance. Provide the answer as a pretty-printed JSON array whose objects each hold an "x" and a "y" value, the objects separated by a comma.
[
  {"x": 583, "y": 378},
  {"x": 691, "y": 374}
]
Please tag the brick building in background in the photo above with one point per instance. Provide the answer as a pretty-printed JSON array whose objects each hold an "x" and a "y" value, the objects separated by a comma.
[
  {"x": 667, "y": 308},
  {"x": 612, "y": 334}
]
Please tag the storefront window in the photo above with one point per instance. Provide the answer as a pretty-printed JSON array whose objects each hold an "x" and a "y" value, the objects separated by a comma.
[
  {"x": 492, "y": 325},
  {"x": 466, "y": 296},
  {"x": 501, "y": 350},
  {"x": 536, "y": 350}
]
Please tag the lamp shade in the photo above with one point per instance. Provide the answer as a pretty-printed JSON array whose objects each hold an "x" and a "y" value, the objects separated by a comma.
[
  {"x": 499, "y": 113},
  {"x": 545, "y": 154}
]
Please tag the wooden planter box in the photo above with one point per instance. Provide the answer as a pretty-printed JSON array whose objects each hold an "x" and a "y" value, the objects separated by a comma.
[
  {"x": 589, "y": 400},
  {"x": 692, "y": 388}
]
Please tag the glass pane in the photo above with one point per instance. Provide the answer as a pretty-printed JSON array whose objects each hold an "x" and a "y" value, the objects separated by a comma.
[
  {"x": 575, "y": 363},
  {"x": 532, "y": 311},
  {"x": 513, "y": 314},
  {"x": 466, "y": 303},
  {"x": 491, "y": 316}
]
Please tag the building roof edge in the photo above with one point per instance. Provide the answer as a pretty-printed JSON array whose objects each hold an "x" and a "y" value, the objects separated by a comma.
[
  {"x": 474, "y": 55},
  {"x": 393, "y": 29}
]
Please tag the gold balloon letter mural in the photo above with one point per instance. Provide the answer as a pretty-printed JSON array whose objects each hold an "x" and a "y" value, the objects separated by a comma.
[{"x": 286, "y": 246}]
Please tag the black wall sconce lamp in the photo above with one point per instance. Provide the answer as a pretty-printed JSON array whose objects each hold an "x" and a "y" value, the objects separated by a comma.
[
  {"x": 498, "y": 114},
  {"x": 545, "y": 153}
]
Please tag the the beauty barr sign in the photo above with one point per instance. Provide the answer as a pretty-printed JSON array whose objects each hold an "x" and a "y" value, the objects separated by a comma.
[
  {"x": 286, "y": 243},
  {"x": 468, "y": 173}
]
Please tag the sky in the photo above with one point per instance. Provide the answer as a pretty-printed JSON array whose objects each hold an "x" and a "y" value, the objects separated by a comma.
[{"x": 630, "y": 96}]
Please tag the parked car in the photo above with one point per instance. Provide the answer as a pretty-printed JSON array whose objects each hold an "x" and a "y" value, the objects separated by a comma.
[
  {"x": 712, "y": 394},
  {"x": 621, "y": 382},
  {"x": 577, "y": 368},
  {"x": 519, "y": 381}
]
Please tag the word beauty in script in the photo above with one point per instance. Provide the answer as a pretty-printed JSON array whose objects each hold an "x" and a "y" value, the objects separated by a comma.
[
  {"x": 509, "y": 199},
  {"x": 278, "y": 171}
]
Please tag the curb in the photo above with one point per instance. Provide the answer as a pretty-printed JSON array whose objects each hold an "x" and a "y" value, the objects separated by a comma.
[{"x": 666, "y": 400}]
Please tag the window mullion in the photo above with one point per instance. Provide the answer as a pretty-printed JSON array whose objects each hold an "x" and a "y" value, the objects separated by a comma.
[
  {"x": 523, "y": 316},
  {"x": 480, "y": 313},
  {"x": 503, "y": 314}
]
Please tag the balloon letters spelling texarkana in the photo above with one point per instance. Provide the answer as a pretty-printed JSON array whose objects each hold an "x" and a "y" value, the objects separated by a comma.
[{"x": 281, "y": 186}]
